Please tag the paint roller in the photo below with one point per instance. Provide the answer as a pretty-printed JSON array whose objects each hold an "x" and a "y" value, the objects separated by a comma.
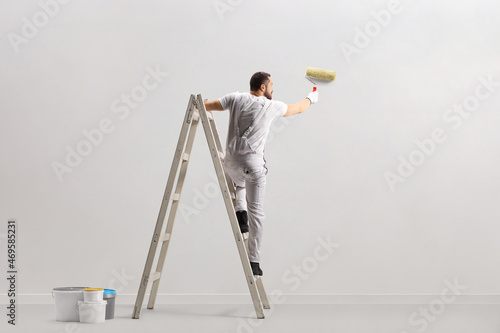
[{"x": 319, "y": 73}]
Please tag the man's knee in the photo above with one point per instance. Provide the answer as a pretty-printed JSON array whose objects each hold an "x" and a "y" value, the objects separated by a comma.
[
  {"x": 255, "y": 214},
  {"x": 255, "y": 207}
]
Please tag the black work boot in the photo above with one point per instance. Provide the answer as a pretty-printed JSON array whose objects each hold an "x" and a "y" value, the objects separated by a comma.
[
  {"x": 256, "y": 268},
  {"x": 242, "y": 220}
]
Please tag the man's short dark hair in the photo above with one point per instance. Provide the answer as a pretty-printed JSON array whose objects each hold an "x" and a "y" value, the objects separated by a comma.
[{"x": 258, "y": 79}]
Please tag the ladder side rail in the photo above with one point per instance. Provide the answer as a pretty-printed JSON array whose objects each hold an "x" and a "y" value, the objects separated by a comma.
[
  {"x": 213, "y": 126},
  {"x": 262, "y": 293},
  {"x": 174, "y": 207},
  {"x": 163, "y": 209},
  {"x": 230, "y": 208},
  {"x": 232, "y": 189}
]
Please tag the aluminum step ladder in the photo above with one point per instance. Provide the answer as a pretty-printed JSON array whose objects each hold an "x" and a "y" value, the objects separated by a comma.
[{"x": 195, "y": 111}]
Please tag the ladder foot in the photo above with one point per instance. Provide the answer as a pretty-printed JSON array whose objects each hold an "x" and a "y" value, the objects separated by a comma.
[{"x": 136, "y": 314}]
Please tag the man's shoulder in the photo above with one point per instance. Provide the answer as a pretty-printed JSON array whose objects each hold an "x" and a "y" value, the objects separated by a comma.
[
  {"x": 279, "y": 107},
  {"x": 242, "y": 97},
  {"x": 277, "y": 104},
  {"x": 236, "y": 95}
]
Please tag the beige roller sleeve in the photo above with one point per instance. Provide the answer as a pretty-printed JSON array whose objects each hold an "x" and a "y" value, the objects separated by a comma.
[{"x": 321, "y": 74}]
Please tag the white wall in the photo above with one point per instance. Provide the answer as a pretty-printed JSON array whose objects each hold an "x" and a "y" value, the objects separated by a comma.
[{"x": 327, "y": 166}]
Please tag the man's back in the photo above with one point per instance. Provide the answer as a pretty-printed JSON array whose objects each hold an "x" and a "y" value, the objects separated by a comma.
[{"x": 249, "y": 122}]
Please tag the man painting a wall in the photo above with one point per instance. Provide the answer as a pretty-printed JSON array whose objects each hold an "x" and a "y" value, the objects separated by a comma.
[{"x": 250, "y": 118}]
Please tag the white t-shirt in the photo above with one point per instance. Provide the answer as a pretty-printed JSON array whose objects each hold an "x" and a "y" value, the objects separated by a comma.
[{"x": 248, "y": 110}]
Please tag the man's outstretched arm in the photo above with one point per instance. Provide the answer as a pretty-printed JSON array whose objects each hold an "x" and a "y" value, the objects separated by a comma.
[
  {"x": 213, "y": 105},
  {"x": 293, "y": 109}
]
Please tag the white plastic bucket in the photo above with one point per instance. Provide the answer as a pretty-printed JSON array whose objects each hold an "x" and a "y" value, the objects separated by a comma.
[
  {"x": 66, "y": 299},
  {"x": 93, "y": 295},
  {"x": 92, "y": 312}
]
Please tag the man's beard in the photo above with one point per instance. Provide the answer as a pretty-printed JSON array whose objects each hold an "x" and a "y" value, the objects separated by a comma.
[{"x": 268, "y": 95}]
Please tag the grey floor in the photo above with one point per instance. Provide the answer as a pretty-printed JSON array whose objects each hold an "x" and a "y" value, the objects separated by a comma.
[{"x": 282, "y": 318}]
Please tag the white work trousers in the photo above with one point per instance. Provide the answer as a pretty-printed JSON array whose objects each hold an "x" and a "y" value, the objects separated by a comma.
[{"x": 248, "y": 174}]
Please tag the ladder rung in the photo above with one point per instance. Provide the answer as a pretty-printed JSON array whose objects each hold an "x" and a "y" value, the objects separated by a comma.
[
  {"x": 210, "y": 115},
  {"x": 176, "y": 197},
  {"x": 155, "y": 276},
  {"x": 221, "y": 154},
  {"x": 164, "y": 237},
  {"x": 185, "y": 157},
  {"x": 233, "y": 196}
]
